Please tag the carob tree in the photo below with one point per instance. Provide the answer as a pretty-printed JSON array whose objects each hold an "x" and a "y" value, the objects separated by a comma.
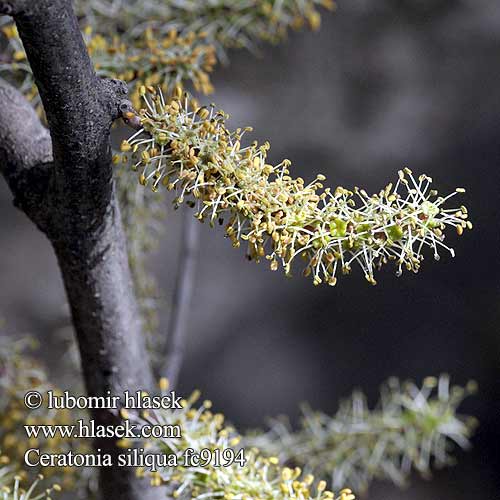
[{"x": 62, "y": 178}]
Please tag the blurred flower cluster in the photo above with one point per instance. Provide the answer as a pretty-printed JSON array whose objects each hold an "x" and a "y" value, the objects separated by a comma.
[
  {"x": 260, "y": 478},
  {"x": 189, "y": 149},
  {"x": 18, "y": 374},
  {"x": 165, "y": 43},
  {"x": 153, "y": 59},
  {"x": 226, "y": 23},
  {"x": 411, "y": 428}
]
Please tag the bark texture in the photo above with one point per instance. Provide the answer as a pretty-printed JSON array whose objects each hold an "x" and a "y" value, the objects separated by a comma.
[
  {"x": 25, "y": 153},
  {"x": 63, "y": 182}
]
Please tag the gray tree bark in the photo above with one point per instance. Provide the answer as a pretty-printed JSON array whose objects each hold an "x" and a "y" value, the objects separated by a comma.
[{"x": 63, "y": 182}]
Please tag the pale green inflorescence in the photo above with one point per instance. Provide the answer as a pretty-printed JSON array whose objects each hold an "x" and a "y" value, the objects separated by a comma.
[
  {"x": 412, "y": 428},
  {"x": 191, "y": 151},
  {"x": 260, "y": 478}
]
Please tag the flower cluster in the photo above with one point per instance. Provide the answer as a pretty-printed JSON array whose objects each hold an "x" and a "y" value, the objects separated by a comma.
[
  {"x": 171, "y": 42},
  {"x": 154, "y": 59},
  {"x": 19, "y": 373},
  {"x": 150, "y": 58},
  {"x": 190, "y": 150},
  {"x": 260, "y": 478},
  {"x": 411, "y": 428},
  {"x": 227, "y": 23}
]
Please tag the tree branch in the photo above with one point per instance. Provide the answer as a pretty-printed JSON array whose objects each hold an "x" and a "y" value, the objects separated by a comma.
[
  {"x": 83, "y": 220},
  {"x": 176, "y": 333},
  {"x": 79, "y": 106},
  {"x": 25, "y": 153}
]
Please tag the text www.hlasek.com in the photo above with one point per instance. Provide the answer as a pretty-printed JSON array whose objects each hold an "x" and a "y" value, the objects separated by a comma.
[
  {"x": 127, "y": 432},
  {"x": 90, "y": 430}
]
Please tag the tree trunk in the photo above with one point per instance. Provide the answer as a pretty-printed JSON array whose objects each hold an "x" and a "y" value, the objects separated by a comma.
[{"x": 64, "y": 184}]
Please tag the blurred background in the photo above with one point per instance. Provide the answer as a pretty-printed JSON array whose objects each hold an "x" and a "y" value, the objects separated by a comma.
[{"x": 384, "y": 84}]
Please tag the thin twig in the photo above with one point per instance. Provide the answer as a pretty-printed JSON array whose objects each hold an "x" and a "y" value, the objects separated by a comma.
[{"x": 174, "y": 346}]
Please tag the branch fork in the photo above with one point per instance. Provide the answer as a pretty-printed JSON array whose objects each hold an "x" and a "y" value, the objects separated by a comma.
[{"x": 61, "y": 177}]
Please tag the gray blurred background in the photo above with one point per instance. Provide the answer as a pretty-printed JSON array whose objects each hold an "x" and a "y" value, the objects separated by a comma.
[{"x": 384, "y": 84}]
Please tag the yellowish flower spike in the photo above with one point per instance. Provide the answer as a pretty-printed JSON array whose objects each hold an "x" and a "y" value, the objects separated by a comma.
[
  {"x": 260, "y": 477},
  {"x": 191, "y": 151}
]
